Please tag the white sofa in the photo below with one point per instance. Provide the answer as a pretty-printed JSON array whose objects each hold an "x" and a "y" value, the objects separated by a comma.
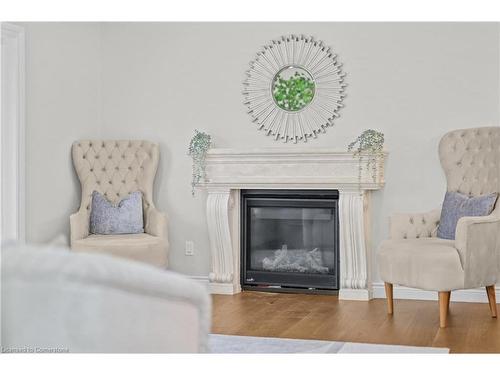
[{"x": 64, "y": 301}]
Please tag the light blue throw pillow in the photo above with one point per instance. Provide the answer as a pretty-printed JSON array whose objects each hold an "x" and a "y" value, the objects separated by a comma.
[
  {"x": 123, "y": 218},
  {"x": 457, "y": 205}
]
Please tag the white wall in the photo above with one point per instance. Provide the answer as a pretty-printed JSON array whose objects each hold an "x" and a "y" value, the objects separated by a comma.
[
  {"x": 63, "y": 103},
  {"x": 160, "y": 81},
  {"x": 414, "y": 82}
]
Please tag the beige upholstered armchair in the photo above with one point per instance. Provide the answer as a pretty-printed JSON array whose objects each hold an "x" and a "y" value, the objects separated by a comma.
[
  {"x": 415, "y": 257},
  {"x": 115, "y": 169}
]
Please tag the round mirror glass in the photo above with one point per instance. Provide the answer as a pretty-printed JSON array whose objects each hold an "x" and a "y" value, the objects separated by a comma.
[{"x": 293, "y": 88}]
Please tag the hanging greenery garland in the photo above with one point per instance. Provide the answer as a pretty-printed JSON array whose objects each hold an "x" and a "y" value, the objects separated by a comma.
[
  {"x": 370, "y": 143},
  {"x": 198, "y": 147}
]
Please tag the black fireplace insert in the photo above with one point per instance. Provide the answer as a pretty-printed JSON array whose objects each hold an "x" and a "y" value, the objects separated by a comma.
[{"x": 290, "y": 240}]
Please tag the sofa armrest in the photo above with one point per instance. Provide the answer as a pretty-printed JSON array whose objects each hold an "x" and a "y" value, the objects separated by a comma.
[
  {"x": 156, "y": 223},
  {"x": 477, "y": 239},
  {"x": 123, "y": 306},
  {"x": 79, "y": 225},
  {"x": 416, "y": 225}
]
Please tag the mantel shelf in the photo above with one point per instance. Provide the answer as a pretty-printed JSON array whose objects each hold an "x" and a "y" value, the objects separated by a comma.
[{"x": 298, "y": 168}]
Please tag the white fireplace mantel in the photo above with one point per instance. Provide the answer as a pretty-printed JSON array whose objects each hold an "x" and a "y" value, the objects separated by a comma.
[{"x": 230, "y": 170}]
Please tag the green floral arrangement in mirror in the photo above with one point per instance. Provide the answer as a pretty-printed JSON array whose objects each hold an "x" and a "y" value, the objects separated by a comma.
[
  {"x": 294, "y": 93},
  {"x": 198, "y": 147},
  {"x": 370, "y": 144}
]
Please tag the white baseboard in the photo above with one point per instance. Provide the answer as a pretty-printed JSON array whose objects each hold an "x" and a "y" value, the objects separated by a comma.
[
  {"x": 355, "y": 294},
  {"x": 402, "y": 292},
  {"x": 201, "y": 279},
  {"x": 217, "y": 288},
  {"x": 224, "y": 288}
]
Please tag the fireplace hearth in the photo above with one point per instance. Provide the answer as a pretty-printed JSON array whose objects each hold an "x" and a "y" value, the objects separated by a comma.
[{"x": 290, "y": 240}]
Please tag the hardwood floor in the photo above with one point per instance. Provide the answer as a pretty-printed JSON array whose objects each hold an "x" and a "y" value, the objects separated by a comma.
[{"x": 470, "y": 326}]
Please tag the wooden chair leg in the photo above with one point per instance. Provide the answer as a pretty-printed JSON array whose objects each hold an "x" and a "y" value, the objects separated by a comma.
[
  {"x": 490, "y": 290},
  {"x": 388, "y": 295},
  {"x": 444, "y": 298}
]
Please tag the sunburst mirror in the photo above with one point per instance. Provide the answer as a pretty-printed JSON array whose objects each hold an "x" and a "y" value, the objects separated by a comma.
[{"x": 294, "y": 88}]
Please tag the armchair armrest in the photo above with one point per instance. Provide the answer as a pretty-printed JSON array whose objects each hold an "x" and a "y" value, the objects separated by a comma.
[
  {"x": 477, "y": 239},
  {"x": 156, "y": 223},
  {"x": 416, "y": 225},
  {"x": 79, "y": 225}
]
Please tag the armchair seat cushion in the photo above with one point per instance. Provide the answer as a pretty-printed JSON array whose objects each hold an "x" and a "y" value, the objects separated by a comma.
[
  {"x": 423, "y": 263},
  {"x": 141, "y": 247}
]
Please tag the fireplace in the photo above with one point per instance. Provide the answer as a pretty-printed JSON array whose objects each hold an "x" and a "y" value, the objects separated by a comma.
[
  {"x": 229, "y": 171},
  {"x": 290, "y": 240}
]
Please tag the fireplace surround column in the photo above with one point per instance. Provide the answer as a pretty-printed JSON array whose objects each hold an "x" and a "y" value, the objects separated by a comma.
[
  {"x": 222, "y": 277},
  {"x": 353, "y": 210}
]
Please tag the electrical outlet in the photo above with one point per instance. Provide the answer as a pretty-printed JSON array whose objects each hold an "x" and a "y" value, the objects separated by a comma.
[{"x": 189, "y": 248}]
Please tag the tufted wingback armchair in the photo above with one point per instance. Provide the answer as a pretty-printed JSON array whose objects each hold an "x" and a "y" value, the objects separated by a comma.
[
  {"x": 115, "y": 169},
  {"x": 415, "y": 257}
]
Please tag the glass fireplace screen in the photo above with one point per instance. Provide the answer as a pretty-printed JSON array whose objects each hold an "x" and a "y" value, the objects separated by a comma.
[{"x": 290, "y": 238}]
